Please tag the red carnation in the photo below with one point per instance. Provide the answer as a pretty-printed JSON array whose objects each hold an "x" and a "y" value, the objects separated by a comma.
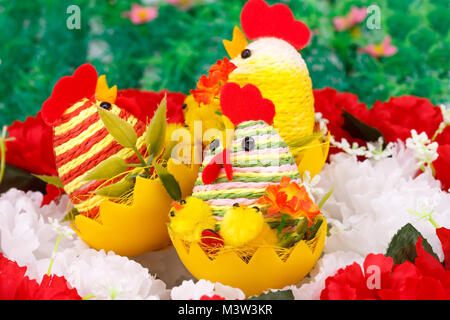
[
  {"x": 32, "y": 147},
  {"x": 397, "y": 117},
  {"x": 143, "y": 104},
  {"x": 425, "y": 279},
  {"x": 14, "y": 285},
  {"x": 213, "y": 297},
  {"x": 32, "y": 150},
  {"x": 442, "y": 166},
  {"x": 331, "y": 104}
]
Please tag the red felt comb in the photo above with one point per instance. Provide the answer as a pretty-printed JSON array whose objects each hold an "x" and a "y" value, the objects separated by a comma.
[
  {"x": 67, "y": 91},
  {"x": 246, "y": 103},
  {"x": 258, "y": 20}
]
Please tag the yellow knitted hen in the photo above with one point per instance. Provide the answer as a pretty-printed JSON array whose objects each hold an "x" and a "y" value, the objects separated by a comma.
[{"x": 273, "y": 64}]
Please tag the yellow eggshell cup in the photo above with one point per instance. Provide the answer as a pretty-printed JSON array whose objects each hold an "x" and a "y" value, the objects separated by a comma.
[
  {"x": 131, "y": 230},
  {"x": 313, "y": 156},
  {"x": 265, "y": 270}
]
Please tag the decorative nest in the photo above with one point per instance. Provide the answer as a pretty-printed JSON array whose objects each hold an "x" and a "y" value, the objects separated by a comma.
[
  {"x": 253, "y": 270},
  {"x": 139, "y": 227}
]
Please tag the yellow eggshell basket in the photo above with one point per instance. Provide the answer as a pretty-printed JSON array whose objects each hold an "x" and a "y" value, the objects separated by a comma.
[
  {"x": 265, "y": 270},
  {"x": 131, "y": 230},
  {"x": 313, "y": 156}
]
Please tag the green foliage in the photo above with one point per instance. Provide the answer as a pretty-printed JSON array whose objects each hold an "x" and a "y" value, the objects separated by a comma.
[
  {"x": 175, "y": 49},
  {"x": 274, "y": 295},
  {"x": 403, "y": 245}
]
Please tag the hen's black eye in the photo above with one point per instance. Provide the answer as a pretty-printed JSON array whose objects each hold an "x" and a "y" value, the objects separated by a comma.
[
  {"x": 172, "y": 213},
  {"x": 246, "y": 53},
  {"x": 248, "y": 144},
  {"x": 256, "y": 208},
  {"x": 105, "y": 105},
  {"x": 214, "y": 145},
  {"x": 184, "y": 106},
  {"x": 235, "y": 204},
  {"x": 182, "y": 202}
]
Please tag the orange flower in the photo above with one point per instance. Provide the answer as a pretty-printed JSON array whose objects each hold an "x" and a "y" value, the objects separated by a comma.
[
  {"x": 209, "y": 86},
  {"x": 290, "y": 198}
]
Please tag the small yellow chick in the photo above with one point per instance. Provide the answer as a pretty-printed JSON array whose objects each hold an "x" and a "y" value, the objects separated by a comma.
[
  {"x": 243, "y": 225},
  {"x": 209, "y": 117},
  {"x": 190, "y": 217}
]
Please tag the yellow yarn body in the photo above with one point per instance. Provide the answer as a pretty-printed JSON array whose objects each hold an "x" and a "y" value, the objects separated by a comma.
[{"x": 280, "y": 73}]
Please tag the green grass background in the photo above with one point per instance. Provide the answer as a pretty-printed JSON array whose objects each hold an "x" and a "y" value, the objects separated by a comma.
[{"x": 172, "y": 52}]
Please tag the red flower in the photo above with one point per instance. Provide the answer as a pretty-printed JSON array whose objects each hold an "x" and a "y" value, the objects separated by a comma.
[
  {"x": 381, "y": 279},
  {"x": 397, "y": 117},
  {"x": 32, "y": 147},
  {"x": 289, "y": 198},
  {"x": 213, "y": 297},
  {"x": 143, "y": 104},
  {"x": 331, "y": 104},
  {"x": 209, "y": 86},
  {"x": 442, "y": 166},
  {"x": 32, "y": 150},
  {"x": 14, "y": 285},
  {"x": 444, "y": 236},
  {"x": 53, "y": 193}
]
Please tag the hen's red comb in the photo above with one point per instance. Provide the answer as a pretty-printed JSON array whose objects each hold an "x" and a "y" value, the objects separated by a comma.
[
  {"x": 258, "y": 20},
  {"x": 246, "y": 103},
  {"x": 67, "y": 91}
]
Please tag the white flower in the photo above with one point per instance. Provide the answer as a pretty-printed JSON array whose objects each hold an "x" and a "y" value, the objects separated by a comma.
[
  {"x": 60, "y": 230},
  {"x": 374, "y": 150},
  {"x": 371, "y": 201},
  {"x": 446, "y": 120},
  {"x": 377, "y": 152},
  {"x": 424, "y": 209},
  {"x": 445, "y": 114},
  {"x": 310, "y": 183},
  {"x": 323, "y": 122},
  {"x": 354, "y": 149},
  {"x": 106, "y": 276},
  {"x": 425, "y": 151},
  {"x": 189, "y": 290},
  {"x": 311, "y": 287},
  {"x": 25, "y": 237}
]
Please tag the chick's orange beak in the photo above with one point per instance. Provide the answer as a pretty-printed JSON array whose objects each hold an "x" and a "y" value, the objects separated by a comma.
[
  {"x": 237, "y": 45},
  {"x": 177, "y": 205}
]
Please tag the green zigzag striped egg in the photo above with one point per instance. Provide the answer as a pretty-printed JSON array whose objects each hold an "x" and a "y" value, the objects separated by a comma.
[{"x": 266, "y": 160}]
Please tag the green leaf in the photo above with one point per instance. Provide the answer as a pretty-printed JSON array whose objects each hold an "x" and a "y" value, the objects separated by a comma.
[
  {"x": 359, "y": 129},
  {"x": 302, "y": 227},
  {"x": 156, "y": 130},
  {"x": 107, "y": 169},
  {"x": 325, "y": 198},
  {"x": 315, "y": 227},
  {"x": 116, "y": 190},
  {"x": 168, "y": 181},
  {"x": 70, "y": 216},
  {"x": 403, "y": 245},
  {"x": 275, "y": 295},
  {"x": 15, "y": 177},
  {"x": 122, "y": 131},
  {"x": 53, "y": 180},
  {"x": 168, "y": 151}
]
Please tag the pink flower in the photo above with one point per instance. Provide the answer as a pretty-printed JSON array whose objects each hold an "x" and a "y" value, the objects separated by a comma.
[
  {"x": 355, "y": 16},
  {"x": 385, "y": 49},
  {"x": 140, "y": 14}
]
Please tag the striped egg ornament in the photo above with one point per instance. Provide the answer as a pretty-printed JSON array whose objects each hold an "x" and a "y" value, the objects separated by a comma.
[
  {"x": 253, "y": 170},
  {"x": 81, "y": 142}
]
